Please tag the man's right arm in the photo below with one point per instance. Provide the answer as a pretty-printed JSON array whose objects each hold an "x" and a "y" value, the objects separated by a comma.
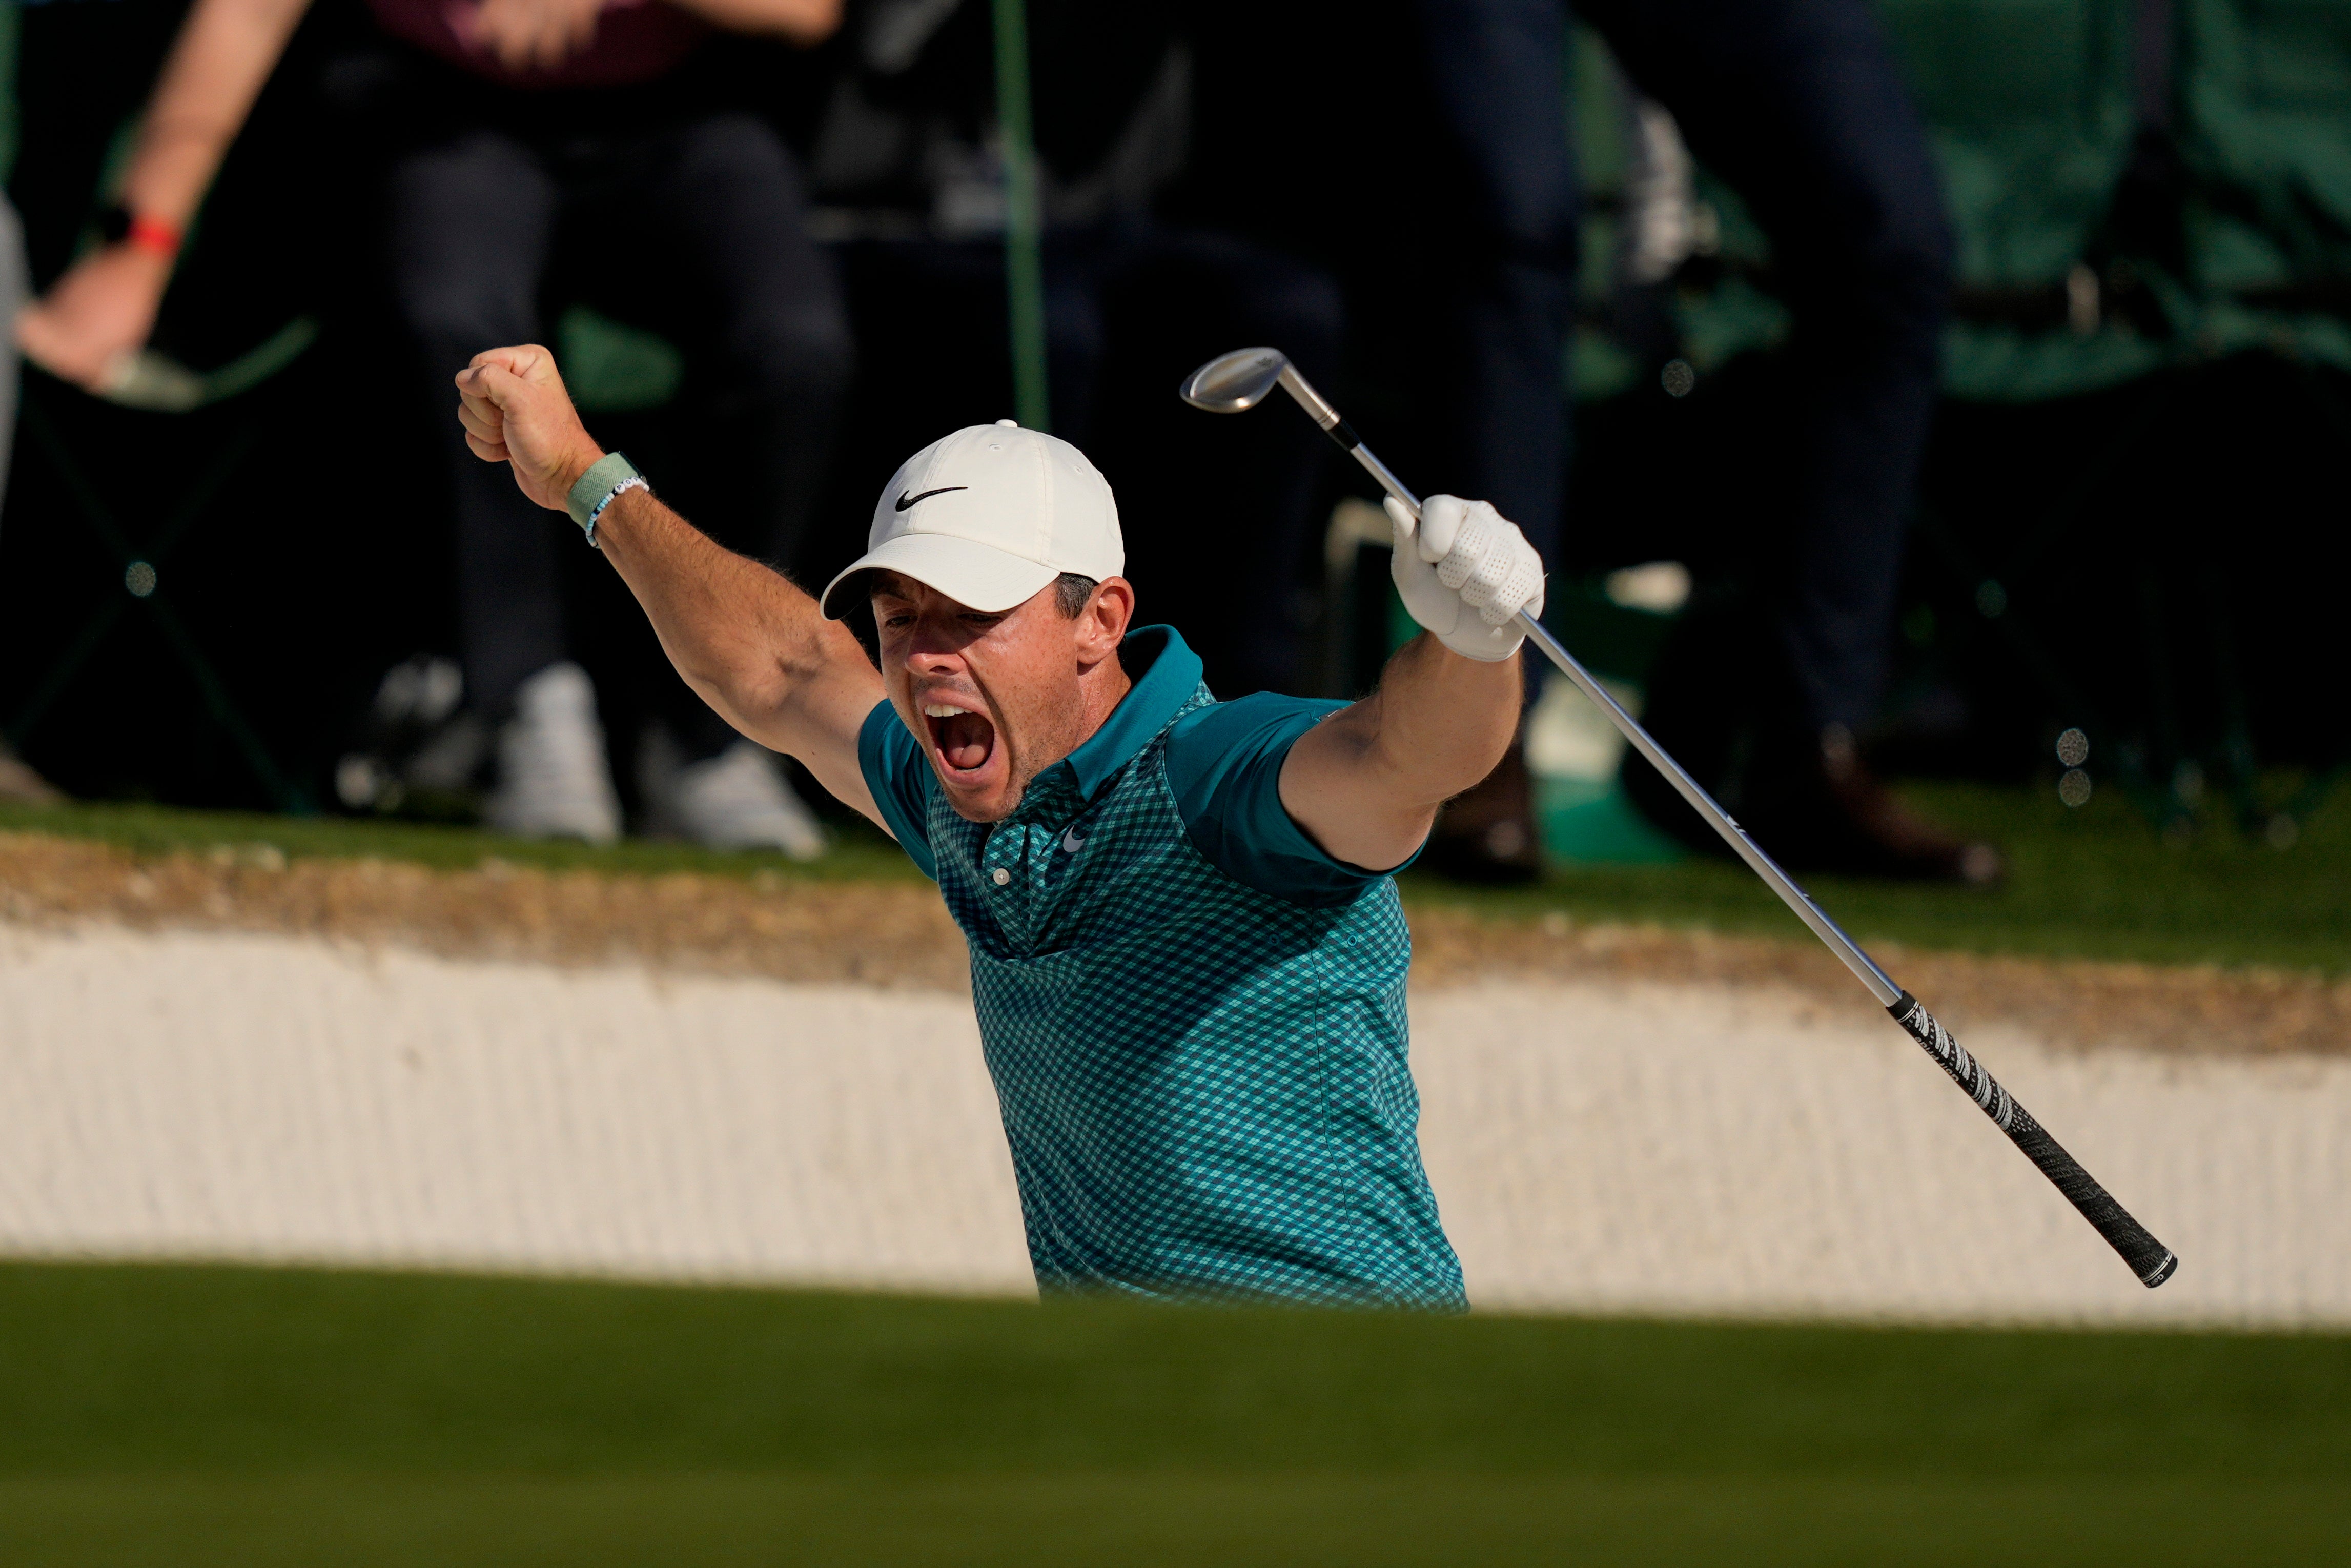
[{"x": 749, "y": 641}]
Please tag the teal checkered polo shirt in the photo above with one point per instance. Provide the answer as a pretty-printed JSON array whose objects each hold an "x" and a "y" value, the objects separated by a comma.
[{"x": 1195, "y": 1018}]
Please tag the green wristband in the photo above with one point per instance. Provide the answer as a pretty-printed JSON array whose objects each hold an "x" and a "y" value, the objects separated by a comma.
[{"x": 596, "y": 486}]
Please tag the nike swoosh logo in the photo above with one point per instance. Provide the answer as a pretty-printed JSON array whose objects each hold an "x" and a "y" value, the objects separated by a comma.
[
  {"x": 905, "y": 500},
  {"x": 1072, "y": 842}
]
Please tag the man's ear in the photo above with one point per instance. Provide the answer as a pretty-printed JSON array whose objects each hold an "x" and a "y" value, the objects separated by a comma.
[{"x": 1102, "y": 625}]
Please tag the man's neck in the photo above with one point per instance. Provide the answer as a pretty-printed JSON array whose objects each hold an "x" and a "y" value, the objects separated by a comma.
[
  {"x": 1100, "y": 691},
  {"x": 1104, "y": 687}
]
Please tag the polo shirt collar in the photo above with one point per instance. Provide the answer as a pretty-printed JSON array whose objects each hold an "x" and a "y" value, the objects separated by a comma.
[{"x": 1165, "y": 674}]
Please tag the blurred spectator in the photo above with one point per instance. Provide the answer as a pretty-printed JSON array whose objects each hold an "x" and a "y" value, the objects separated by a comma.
[
  {"x": 1418, "y": 150},
  {"x": 534, "y": 144},
  {"x": 1798, "y": 105},
  {"x": 1459, "y": 250},
  {"x": 1493, "y": 337},
  {"x": 907, "y": 170},
  {"x": 18, "y": 783}
]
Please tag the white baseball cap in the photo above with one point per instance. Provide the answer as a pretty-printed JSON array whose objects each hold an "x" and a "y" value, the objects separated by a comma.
[{"x": 989, "y": 516}]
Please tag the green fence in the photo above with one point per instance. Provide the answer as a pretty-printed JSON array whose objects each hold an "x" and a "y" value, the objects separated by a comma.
[{"x": 2133, "y": 185}]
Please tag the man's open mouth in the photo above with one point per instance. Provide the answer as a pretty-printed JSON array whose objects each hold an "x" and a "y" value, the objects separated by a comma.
[{"x": 965, "y": 740}]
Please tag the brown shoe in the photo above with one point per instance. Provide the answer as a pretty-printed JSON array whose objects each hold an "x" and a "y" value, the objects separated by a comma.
[
  {"x": 1487, "y": 834},
  {"x": 1826, "y": 811},
  {"x": 20, "y": 786}
]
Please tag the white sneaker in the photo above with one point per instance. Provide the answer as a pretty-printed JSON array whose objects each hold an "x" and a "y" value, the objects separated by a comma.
[
  {"x": 20, "y": 786},
  {"x": 735, "y": 800},
  {"x": 553, "y": 780}
]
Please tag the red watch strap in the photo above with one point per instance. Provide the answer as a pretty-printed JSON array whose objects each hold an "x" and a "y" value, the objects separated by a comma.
[{"x": 153, "y": 235}]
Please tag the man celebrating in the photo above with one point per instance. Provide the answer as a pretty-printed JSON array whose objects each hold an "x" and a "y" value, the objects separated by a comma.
[{"x": 1188, "y": 955}]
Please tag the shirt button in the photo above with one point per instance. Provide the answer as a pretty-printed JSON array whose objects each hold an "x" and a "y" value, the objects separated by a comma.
[{"x": 1000, "y": 876}]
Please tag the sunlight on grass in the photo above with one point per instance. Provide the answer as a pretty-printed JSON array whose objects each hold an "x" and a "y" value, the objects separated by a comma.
[
  {"x": 856, "y": 851},
  {"x": 2094, "y": 882}
]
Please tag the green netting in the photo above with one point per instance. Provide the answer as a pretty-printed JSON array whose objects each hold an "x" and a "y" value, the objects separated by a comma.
[
  {"x": 612, "y": 367},
  {"x": 2029, "y": 107},
  {"x": 2032, "y": 109},
  {"x": 2266, "y": 116},
  {"x": 2267, "y": 96}
]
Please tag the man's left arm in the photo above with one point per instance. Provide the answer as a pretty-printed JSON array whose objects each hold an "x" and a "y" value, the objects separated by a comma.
[{"x": 1365, "y": 783}]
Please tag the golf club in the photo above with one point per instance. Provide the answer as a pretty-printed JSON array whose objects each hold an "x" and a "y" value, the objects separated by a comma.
[{"x": 1235, "y": 383}]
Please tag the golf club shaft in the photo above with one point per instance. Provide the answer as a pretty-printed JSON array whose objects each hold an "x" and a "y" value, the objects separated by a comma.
[{"x": 2148, "y": 1259}]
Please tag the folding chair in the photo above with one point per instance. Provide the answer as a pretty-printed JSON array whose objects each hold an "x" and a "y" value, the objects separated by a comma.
[
  {"x": 157, "y": 384},
  {"x": 142, "y": 563}
]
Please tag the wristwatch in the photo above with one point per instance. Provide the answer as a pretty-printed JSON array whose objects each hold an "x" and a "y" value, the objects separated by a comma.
[
  {"x": 599, "y": 488},
  {"x": 118, "y": 225}
]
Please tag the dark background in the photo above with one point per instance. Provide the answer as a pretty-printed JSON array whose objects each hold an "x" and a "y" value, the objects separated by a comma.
[{"x": 2169, "y": 555}]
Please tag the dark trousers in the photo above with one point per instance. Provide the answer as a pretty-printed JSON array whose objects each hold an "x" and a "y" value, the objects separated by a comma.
[
  {"x": 1797, "y": 105},
  {"x": 1501, "y": 283},
  {"x": 1129, "y": 312},
  {"x": 696, "y": 231}
]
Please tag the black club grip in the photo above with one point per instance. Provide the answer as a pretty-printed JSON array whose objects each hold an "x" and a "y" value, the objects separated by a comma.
[{"x": 2150, "y": 1259}]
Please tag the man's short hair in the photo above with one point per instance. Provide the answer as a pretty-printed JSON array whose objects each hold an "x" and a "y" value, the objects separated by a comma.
[{"x": 1071, "y": 592}]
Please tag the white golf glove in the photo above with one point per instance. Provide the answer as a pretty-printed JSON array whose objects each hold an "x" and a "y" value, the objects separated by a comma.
[{"x": 1465, "y": 573}]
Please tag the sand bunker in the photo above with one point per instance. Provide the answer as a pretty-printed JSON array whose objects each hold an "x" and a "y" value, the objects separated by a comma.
[
  {"x": 897, "y": 934},
  {"x": 1599, "y": 1140}
]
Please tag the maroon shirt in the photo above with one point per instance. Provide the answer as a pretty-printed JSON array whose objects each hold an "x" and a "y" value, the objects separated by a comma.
[{"x": 635, "y": 41}]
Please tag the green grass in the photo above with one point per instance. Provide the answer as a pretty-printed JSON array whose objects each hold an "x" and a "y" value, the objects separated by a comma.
[
  {"x": 858, "y": 853},
  {"x": 186, "y": 1416},
  {"x": 719, "y": 1522},
  {"x": 2095, "y": 882}
]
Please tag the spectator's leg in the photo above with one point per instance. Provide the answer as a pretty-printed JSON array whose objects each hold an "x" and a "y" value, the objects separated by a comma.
[
  {"x": 1276, "y": 298},
  {"x": 1798, "y": 105},
  {"x": 1173, "y": 300},
  {"x": 1501, "y": 246},
  {"x": 470, "y": 224},
  {"x": 471, "y": 220},
  {"x": 729, "y": 266},
  {"x": 1504, "y": 251},
  {"x": 724, "y": 262},
  {"x": 721, "y": 261}
]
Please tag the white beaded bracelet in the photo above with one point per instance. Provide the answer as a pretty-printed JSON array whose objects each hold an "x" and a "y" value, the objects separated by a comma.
[{"x": 633, "y": 482}]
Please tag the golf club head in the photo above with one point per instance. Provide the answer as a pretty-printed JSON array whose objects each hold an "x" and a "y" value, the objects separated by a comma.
[{"x": 1233, "y": 382}]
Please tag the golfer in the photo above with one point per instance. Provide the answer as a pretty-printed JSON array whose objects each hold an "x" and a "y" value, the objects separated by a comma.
[{"x": 1187, "y": 956}]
